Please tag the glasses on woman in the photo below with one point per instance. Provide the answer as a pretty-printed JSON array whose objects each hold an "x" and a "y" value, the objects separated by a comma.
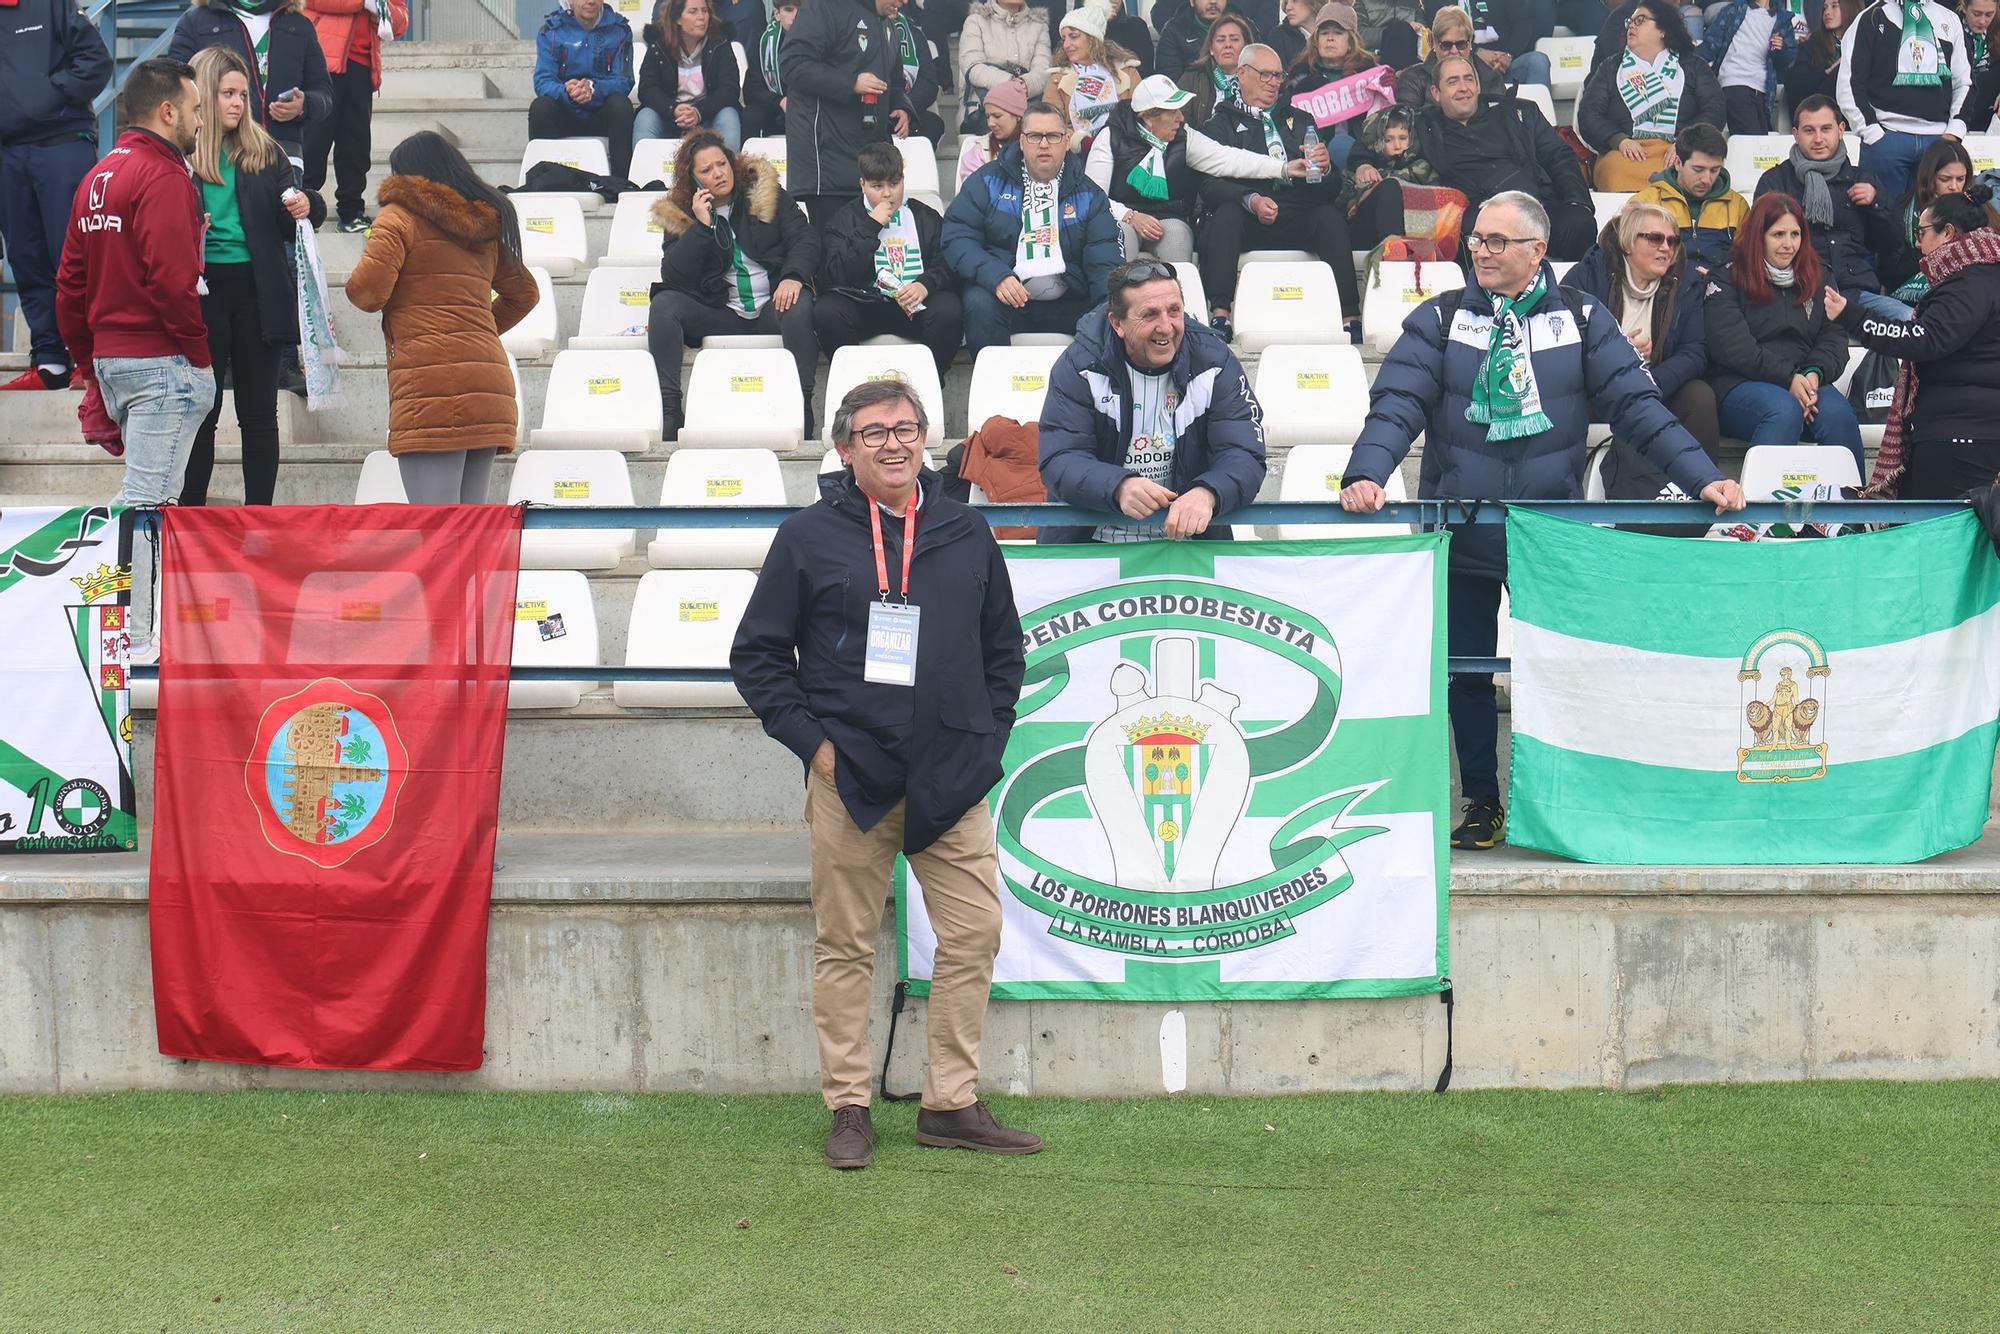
[
  {"x": 905, "y": 433},
  {"x": 1640, "y": 18},
  {"x": 1458, "y": 44},
  {"x": 1667, "y": 239}
]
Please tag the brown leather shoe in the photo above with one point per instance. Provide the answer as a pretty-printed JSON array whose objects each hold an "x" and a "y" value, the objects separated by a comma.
[
  {"x": 972, "y": 1128},
  {"x": 851, "y": 1143}
]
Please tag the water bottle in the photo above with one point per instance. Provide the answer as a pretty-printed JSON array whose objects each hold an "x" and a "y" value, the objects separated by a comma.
[{"x": 1310, "y": 145}]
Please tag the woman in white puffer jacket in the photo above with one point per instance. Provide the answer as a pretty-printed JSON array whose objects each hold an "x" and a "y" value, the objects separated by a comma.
[{"x": 1002, "y": 40}]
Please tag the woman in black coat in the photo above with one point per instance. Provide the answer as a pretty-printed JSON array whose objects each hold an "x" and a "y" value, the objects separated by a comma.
[
  {"x": 1658, "y": 68},
  {"x": 251, "y": 196},
  {"x": 689, "y": 79},
  {"x": 292, "y": 60},
  {"x": 1943, "y": 436},
  {"x": 739, "y": 259}
]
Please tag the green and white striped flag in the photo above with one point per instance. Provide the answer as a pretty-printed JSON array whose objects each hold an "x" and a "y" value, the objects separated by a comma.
[{"x": 1702, "y": 703}]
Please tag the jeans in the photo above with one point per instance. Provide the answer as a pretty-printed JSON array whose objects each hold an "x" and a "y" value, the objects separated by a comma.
[
  {"x": 447, "y": 477},
  {"x": 1530, "y": 67},
  {"x": 1893, "y": 158},
  {"x": 1767, "y": 414},
  {"x": 1882, "y": 305},
  {"x": 650, "y": 124},
  {"x": 1472, "y": 630},
  {"x": 158, "y": 403},
  {"x": 988, "y": 323},
  {"x": 37, "y": 183}
]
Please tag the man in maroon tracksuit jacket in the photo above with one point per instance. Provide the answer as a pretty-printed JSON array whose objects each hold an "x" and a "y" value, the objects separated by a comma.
[{"x": 127, "y": 293}]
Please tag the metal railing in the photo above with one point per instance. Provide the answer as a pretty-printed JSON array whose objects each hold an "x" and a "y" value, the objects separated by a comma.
[
  {"x": 1424, "y": 515},
  {"x": 150, "y": 24}
]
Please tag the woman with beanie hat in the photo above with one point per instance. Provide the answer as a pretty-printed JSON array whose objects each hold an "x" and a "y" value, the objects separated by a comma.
[
  {"x": 1092, "y": 75},
  {"x": 1005, "y": 105}
]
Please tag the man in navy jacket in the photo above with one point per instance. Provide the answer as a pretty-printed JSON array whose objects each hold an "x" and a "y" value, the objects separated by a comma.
[
  {"x": 1147, "y": 412},
  {"x": 1503, "y": 380}
]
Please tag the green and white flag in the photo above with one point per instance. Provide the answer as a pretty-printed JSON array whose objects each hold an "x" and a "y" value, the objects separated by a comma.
[
  {"x": 65, "y": 704},
  {"x": 1229, "y": 775},
  {"x": 1706, "y": 703}
]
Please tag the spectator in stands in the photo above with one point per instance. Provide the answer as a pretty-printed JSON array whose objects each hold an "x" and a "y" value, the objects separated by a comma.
[
  {"x": 1633, "y": 105},
  {"x": 1393, "y": 28},
  {"x": 127, "y": 299},
  {"x": 1851, "y": 217},
  {"x": 1751, "y": 44},
  {"x": 352, "y": 35},
  {"x": 276, "y": 41},
  {"x": 689, "y": 78},
  {"x": 842, "y": 64},
  {"x": 1091, "y": 75},
  {"x": 1183, "y": 36},
  {"x": 1944, "y": 169},
  {"x": 1294, "y": 34},
  {"x": 1903, "y": 76},
  {"x": 893, "y": 763},
  {"x": 1942, "y": 439},
  {"x": 1503, "y": 379},
  {"x": 1153, "y": 168},
  {"x": 1137, "y": 453},
  {"x": 739, "y": 259},
  {"x": 1336, "y": 53},
  {"x": 764, "y": 85},
  {"x": 1639, "y": 270},
  {"x": 1696, "y": 194},
  {"x": 1451, "y": 35},
  {"x": 740, "y": 20},
  {"x": 1004, "y": 106},
  {"x": 443, "y": 265},
  {"x": 1212, "y": 77},
  {"x": 52, "y": 64},
  {"x": 1003, "y": 41},
  {"x": 1485, "y": 148},
  {"x": 1503, "y": 37},
  {"x": 1383, "y": 163},
  {"x": 1287, "y": 214},
  {"x": 1815, "y": 71},
  {"x": 1984, "y": 97},
  {"x": 251, "y": 306},
  {"x": 583, "y": 78},
  {"x": 1774, "y": 351},
  {"x": 1031, "y": 237},
  {"x": 883, "y": 269}
]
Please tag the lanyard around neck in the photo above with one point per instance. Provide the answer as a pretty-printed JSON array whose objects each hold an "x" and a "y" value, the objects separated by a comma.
[{"x": 909, "y": 544}]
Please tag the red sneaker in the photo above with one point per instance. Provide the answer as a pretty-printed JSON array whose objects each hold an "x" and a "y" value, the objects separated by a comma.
[{"x": 36, "y": 378}]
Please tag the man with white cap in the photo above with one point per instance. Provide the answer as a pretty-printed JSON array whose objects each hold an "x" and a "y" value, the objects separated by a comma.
[{"x": 1153, "y": 168}]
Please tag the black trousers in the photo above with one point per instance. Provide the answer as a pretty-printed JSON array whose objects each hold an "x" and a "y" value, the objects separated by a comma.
[
  {"x": 1947, "y": 469},
  {"x": 1320, "y": 228},
  {"x": 680, "y": 320},
  {"x": 1747, "y": 111},
  {"x": 1472, "y": 630},
  {"x": 1572, "y": 230},
  {"x": 236, "y": 342},
  {"x": 549, "y": 118},
  {"x": 346, "y": 133},
  {"x": 1378, "y": 217},
  {"x": 842, "y": 321},
  {"x": 821, "y": 208}
]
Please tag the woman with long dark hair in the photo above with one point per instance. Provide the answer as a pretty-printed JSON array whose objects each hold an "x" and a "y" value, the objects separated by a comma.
[
  {"x": 1773, "y": 349},
  {"x": 1815, "y": 71},
  {"x": 444, "y": 244},
  {"x": 1634, "y": 103},
  {"x": 689, "y": 78},
  {"x": 251, "y": 306},
  {"x": 1944, "y": 169}
]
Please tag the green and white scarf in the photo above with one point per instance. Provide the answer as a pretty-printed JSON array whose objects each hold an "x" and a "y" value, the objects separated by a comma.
[
  {"x": 1039, "y": 251},
  {"x": 897, "y": 251},
  {"x": 1149, "y": 174},
  {"x": 1978, "y": 41},
  {"x": 767, "y": 56},
  {"x": 1918, "y": 60},
  {"x": 1228, "y": 87},
  {"x": 749, "y": 281},
  {"x": 1652, "y": 93},
  {"x": 1504, "y": 396},
  {"x": 1274, "y": 142},
  {"x": 906, "y": 39}
]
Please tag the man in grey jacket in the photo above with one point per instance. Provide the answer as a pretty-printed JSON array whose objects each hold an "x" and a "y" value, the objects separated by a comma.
[{"x": 843, "y": 76}]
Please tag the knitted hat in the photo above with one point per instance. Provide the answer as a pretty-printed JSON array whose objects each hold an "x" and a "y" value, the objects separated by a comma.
[
  {"x": 1010, "y": 97},
  {"x": 1088, "y": 20}
]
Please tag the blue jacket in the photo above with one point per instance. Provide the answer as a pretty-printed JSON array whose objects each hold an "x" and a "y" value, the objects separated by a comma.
[
  {"x": 1680, "y": 339},
  {"x": 1086, "y": 427},
  {"x": 1716, "y": 39},
  {"x": 983, "y": 225},
  {"x": 51, "y": 66},
  {"x": 565, "y": 50},
  {"x": 1584, "y": 370}
]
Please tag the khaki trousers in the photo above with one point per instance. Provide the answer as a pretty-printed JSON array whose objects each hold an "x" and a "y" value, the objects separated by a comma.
[{"x": 850, "y": 877}]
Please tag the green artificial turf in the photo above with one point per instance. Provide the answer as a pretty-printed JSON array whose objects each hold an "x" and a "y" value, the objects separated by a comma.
[{"x": 1806, "y": 1206}]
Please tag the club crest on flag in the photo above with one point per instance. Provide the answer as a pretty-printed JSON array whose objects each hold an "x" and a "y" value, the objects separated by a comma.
[
  {"x": 1784, "y": 723},
  {"x": 325, "y": 772}
]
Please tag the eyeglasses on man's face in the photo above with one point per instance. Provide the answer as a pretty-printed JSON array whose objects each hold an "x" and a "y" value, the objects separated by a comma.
[
  {"x": 1493, "y": 243},
  {"x": 1260, "y": 71},
  {"x": 904, "y": 432},
  {"x": 1046, "y": 137}
]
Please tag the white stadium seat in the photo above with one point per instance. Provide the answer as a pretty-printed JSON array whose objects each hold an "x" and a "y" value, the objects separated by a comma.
[
  {"x": 592, "y": 155},
  {"x": 1593, "y": 473},
  {"x": 1194, "y": 296},
  {"x": 742, "y": 61},
  {"x": 721, "y": 478},
  {"x": 635, "y": 238},
  {"x": 653, "y": 160},
  {"x": 1561, "y": 268},
  {"x": 1569, "y": 64},
  {"x": 1769, "y": 467},
  {"x": 615, "y": 302},
  {"x": 684, "y": 618},
  {"x": 381, "y": 481},
  {"x": 1605, "y": 204},
  {"x": 743, "y": 397},
  {"x": 1312, "y": 473},
  {"x": 852, "y": 365},
  {"x": 572, "y": 477},
  {"x": 1009, "y": 382},
  {"x": 1534, "y": 92},
  {"x": 538, "y": 332},
  {"x": 555, "y": 625},
  {"x": 928, "y": 197},
  {"x": 771, "y": 148},
  {"x": 601, "y": 400},
  {"x": 1313, "y": 394},
  {"x": 920, "y": 171},
  {"x": 552, "y": 234},
  {"x": 1398, "y": 285},
  {"x": 1287, "y": 302},
  {"x": 1274, "y": 257},
  {"x": 359, "y": 616},
  {"x": 1750, "y": 156},
  {"x": 225, "y": 595},
  {"x": 1984, "y": 150},
  {"x": 520, "y": 402},
  {"x": 1041, "y": 339}
]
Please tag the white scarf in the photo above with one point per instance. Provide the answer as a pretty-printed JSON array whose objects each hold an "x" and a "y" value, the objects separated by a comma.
[
  {"x": 1652, "y": 93},
  {"x": 1038, "y": 253},
  {"x": 1096, "y": 92},
  {"x": 899, "y": 258}
]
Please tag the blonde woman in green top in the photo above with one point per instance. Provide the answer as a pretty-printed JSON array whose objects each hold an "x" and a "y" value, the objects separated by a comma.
[{"x": 251, "y": 302}]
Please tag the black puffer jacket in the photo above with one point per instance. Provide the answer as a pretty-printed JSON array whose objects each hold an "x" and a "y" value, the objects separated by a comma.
[
  {"x": 660, "y": 78},
  {"x": 1768, "y": 342},
  {"x": 766, "y": 223},
  {"x": 831, "y": 43},
  {"x": 269, "y": 233},
  {"x": 1603, "y": 120},
  {"x": 1953, "y": 341},
  {"x": 848, "y": 259},
  {"x": 293, "y": 60}
]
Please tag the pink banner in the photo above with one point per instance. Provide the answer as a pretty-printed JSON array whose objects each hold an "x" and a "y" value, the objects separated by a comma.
[{"x": 1344, "y": 99}]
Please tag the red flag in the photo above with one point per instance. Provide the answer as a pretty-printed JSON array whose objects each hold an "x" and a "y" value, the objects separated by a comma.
[{"x": 333, "y": 707}]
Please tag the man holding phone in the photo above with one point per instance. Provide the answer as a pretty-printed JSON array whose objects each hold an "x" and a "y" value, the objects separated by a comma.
[{"x": 289, "y": 85}]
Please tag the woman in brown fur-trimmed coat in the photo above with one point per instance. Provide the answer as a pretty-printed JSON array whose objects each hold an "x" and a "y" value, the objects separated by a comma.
[
  {"x": 444, "y": 244},
  {"x": 739, "y": 259}
]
